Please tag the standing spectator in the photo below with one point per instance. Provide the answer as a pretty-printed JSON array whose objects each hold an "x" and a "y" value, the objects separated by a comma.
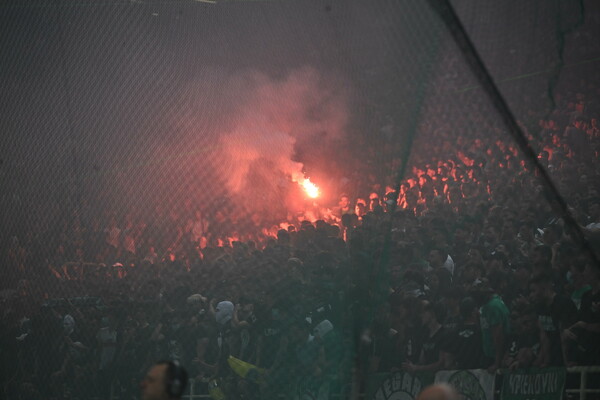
[
  {"x": 244, "y": 321},
  {"x": 344, "y": 207},
  {"x": 435, "y": 351},
  {"x": 593, "y": 130},
  {"x": 494, "y": 324},
  {"x": 151, "y": 256},
  {"x": 107, "y": 345},
  {"x": 555, "y": 314},
  {"x": 586, "y": 331},
  {"x": 382, "y": 340},
  {"x": 215, "y": 347},
  {"x": 578, "y": 284},
  {"x": 16, "y": 257},
  {"x": 541, "y": 258},
  {"x": 113, "y": 239},
  {"x": 524, "y": 342},
  {"x": 408, "y": 310},
  {"x": 438, "y": 257},
  {"x": 576, "y": 138},
  {"x": 199, "y": 229},
  {"x": 465, "y": 342}
]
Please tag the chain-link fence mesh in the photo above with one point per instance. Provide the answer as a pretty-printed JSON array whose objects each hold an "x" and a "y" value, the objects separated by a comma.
[{"x": 153, "y": 161}]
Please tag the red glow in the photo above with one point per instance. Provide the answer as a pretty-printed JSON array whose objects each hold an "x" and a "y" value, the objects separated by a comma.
[{"x": 310, "y": 188}]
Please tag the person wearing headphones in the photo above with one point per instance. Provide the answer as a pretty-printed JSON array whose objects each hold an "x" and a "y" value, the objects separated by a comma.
[{"x": 166, "y": 380}]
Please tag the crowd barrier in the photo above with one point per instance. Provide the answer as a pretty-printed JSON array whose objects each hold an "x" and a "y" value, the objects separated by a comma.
[
  {"x": 583, "y": 390},
  {"x": 542, "y": 383}
]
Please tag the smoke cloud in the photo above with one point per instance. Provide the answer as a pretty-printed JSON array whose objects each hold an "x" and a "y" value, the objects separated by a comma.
[
  {"x": 273, "y": 116},
  {"x": 253, "y": 123}
]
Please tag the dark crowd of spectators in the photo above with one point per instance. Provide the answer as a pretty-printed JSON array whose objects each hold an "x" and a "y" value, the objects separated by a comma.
[{"x": 467, "y": 265}]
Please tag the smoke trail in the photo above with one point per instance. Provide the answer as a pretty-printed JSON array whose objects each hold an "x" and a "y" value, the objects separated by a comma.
[
  {"x": 239, "y": 134},
  {"x": 273, "y": 117}
]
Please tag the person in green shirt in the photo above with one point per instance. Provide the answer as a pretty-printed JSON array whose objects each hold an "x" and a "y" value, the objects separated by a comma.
[
  {"x": 494, "y": 321},
  {"x": 579, "y": 285}
]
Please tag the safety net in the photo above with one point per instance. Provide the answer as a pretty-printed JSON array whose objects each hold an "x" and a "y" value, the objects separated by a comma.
[{"x": 312, "y": 199}]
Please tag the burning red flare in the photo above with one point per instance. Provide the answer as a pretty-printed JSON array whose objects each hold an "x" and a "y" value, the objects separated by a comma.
[{"x": 310, "y": 188}]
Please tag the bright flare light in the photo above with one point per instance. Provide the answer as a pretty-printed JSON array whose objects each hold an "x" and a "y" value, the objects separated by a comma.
[{"x": 310, "y": 188}]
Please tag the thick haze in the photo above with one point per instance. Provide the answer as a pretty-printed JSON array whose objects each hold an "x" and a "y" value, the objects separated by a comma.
[{"x": 124, "y": 103}]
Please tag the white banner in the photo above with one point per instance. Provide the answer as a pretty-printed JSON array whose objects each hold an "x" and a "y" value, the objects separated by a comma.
[{"x": 472, "y": 384}]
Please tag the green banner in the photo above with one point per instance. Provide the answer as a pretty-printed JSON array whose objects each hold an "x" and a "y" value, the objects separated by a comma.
[
  {"x": 397, "y": 385},
  {"x": 534, "y": 383},
  {"x": 474, "y": 384}
]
